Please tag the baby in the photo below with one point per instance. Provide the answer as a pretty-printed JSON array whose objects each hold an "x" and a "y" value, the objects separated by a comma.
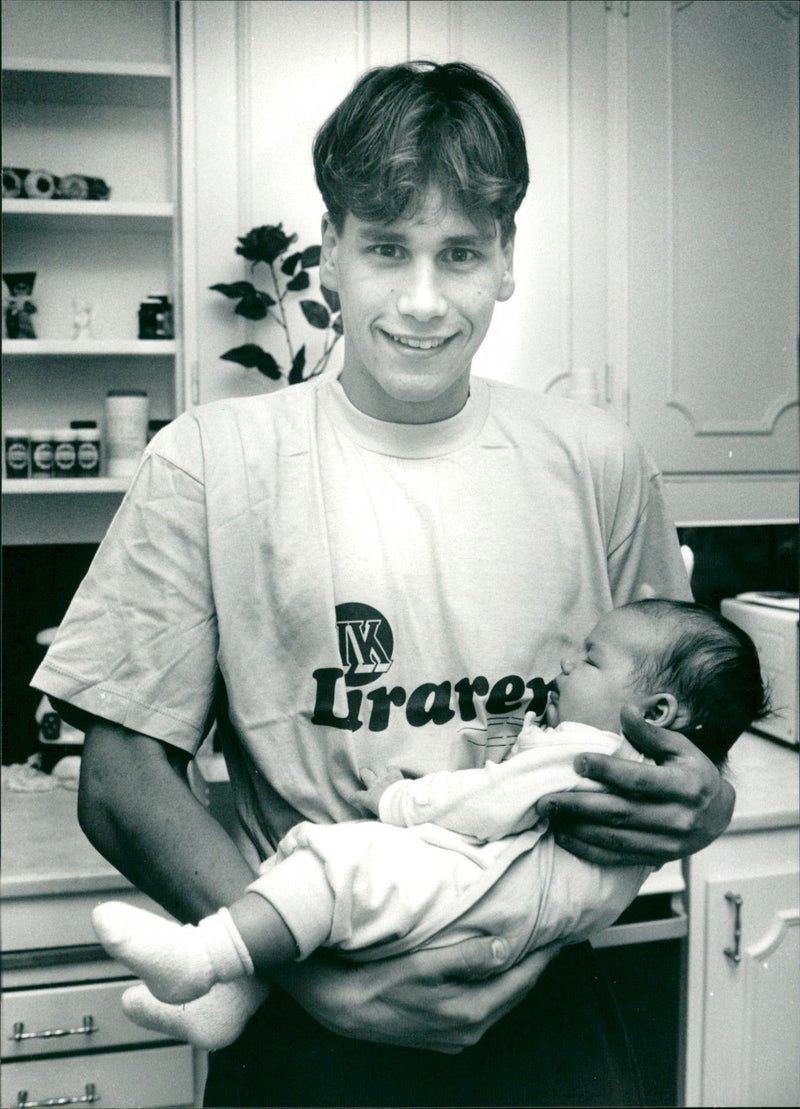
[{"x": 453, "y": 854}]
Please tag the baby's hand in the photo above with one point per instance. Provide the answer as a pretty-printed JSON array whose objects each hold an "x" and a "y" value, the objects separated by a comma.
[{"x": 375, "y": 782}]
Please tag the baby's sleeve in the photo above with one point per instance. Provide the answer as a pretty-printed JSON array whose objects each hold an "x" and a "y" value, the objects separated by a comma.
[{"x": 498, "y": 799}]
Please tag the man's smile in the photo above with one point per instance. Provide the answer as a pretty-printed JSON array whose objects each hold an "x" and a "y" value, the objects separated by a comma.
[{"x": 415, "y": 343}]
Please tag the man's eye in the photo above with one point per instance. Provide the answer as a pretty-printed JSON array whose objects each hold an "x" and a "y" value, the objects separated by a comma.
[
  {"x": 386, "y": 250},
  {"x": 461, "y": 254}
]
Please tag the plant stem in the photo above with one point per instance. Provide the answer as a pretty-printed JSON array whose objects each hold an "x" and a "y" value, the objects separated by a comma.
[{"x": 283, "y": 314}]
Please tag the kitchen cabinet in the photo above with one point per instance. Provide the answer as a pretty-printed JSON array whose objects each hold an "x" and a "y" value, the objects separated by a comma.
[
  {"x": 711, "y": 148},
  {"x": 88, "y": 87},
  {"x": 63, "y": 1032},
  {"x": 657, "y": 246},
  {"x": 742, "y": 1035}
]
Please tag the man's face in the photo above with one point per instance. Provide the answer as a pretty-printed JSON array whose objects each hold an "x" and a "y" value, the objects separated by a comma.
[
  {"x": 597, "y": 680},
  {"x": 417, "y": 298}
]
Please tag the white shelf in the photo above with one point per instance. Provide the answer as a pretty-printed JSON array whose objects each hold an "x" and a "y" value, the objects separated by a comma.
[
  {"x": 49, "y": 486},
  {"x": 46, "y": 80},
  {"x": 89, "y": 347},
  {"x": 82, "y": 215}
]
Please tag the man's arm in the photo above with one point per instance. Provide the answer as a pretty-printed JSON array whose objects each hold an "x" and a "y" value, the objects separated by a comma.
[
  {"x": 653, "y": 814},
  {"x": 137, "y": 808}
]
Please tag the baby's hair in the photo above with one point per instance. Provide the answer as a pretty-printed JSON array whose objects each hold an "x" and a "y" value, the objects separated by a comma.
[
  {"x": 710, "y": 666},
  {"x": 406, "y": 128}
]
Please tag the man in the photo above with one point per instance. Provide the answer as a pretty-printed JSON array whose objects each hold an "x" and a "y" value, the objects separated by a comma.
[{"x": 381, "y": 569}]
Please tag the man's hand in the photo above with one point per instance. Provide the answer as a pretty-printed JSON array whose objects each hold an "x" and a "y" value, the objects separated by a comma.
[
  {"x": 654, "y": 813},
  {"x": 442, "y": 998}
]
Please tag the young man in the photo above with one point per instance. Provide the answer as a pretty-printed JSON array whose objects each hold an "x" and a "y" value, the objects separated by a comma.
[{"x": 358, "y": 572}]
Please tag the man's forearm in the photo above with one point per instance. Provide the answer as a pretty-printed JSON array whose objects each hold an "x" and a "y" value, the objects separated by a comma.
[{"x": 136, "y": 807}]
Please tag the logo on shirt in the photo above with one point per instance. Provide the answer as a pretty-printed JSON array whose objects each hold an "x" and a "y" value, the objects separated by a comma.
[
  {"x": 366, "y": 649},
  {"x": 366, "y": 643}
]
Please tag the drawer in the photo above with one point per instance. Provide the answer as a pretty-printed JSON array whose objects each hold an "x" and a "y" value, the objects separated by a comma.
[
  {"x": 62, "y": 1019},
  {"x": 149, "y": 1077}
]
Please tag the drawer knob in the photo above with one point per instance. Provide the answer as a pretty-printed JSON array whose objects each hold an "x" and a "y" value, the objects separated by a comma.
[
  {"x": 89, "y": 1096},
  {"x": 87, "y": 1027}
]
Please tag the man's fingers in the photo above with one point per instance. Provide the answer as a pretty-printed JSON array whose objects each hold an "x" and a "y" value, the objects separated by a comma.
[
  {"x": 617, "y": 848},
  {"x": 607, "y": 811}
]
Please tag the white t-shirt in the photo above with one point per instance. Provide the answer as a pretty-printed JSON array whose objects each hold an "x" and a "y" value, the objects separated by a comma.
[{"x": 368, "y": 593}]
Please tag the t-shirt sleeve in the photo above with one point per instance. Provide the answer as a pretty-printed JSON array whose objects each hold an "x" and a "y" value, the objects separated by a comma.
[
  {"x": 138, "y": 644},
  {"x": 643, "y": 556}
]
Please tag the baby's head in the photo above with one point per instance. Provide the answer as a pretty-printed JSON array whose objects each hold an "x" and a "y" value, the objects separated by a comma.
[{"x": 686, "y": 667}]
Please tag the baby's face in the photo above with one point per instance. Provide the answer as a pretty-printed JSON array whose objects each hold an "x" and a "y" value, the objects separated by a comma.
[{"x": 596, "y": 681}]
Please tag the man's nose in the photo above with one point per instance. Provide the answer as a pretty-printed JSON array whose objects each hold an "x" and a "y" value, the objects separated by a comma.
[{"x": 421, "y": 298}]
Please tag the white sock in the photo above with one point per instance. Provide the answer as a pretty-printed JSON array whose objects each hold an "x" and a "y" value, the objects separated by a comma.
[
  {"x": 210, "y": 1022},
  {"x": 177, "y": 962}
]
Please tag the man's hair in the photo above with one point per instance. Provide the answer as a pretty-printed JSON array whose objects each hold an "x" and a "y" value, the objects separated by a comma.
[
  {"x": 711, "y": 667},
  {"x": 404, "y": 129}
]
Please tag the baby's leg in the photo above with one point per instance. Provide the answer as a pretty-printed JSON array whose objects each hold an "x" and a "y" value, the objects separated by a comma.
[
  {"x": 210, "y": 1022},
  {"x": 177, "y": 962}
]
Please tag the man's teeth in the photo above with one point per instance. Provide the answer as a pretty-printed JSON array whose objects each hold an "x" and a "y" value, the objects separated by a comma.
[{"x": 418, "y": 344}]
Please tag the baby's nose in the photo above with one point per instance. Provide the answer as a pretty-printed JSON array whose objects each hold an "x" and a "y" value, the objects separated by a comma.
[{"x": 567, "y": 664}]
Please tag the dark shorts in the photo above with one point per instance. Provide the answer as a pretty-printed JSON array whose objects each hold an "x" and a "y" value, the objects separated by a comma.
[{"x": 564, "y": 1045}]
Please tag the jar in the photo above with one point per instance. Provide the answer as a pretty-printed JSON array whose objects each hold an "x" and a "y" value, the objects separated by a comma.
[
  {"x": 64, "y": 452},
  {"x": 18, "y": 452},
  {"x": 126, "y": 414},
  {"x": 87, "y": 451},
  {"x": 156, "y": 318},
  {"x": 41, "y": 452}
]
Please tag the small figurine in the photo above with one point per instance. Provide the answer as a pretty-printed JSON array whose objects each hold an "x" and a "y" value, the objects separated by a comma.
[
  {"x": 19, "y": 306},
  {"x": 83, "y": 314}
]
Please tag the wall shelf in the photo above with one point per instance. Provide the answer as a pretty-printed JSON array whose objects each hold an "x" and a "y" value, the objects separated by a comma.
[
  {"x": 55, "y": 485},
  {"x": 83, "y": 348},
  {"x": 84, "y": 215}
]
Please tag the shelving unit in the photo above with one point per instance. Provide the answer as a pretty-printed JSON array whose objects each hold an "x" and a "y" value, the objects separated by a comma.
[{"x": 89, "y": 87}]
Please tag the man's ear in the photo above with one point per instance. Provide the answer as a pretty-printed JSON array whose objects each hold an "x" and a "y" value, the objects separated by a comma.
[
  {"x": 663, "y": 710},
  {"x": 328, "y": 250},
  {"x": 507, "y": 283}
]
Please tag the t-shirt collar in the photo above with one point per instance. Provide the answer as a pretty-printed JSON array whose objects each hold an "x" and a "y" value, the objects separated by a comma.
[{"x": 408, "y": 440}]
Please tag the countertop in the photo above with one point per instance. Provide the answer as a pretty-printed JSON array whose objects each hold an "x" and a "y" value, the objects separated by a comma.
[{"x": 45, "y": 853}]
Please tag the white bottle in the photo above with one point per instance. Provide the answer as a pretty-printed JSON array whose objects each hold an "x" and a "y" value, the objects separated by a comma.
[{"x": 126, "y": 416}]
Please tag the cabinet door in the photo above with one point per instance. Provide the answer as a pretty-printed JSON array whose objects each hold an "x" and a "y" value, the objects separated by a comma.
[
  {"x": 713, "y": 264},
  {"x": 751, "y": 1049}
]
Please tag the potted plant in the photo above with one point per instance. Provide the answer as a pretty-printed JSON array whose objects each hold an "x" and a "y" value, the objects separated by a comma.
[{"x": 269, "y": 246}]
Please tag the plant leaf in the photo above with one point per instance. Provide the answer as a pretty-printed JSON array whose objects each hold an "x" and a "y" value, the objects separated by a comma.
[
  {"x": 310, "y": 257},
  {"x": 251, "y": 308},
  {"x": 338, "y": 326},
  {"x": 330, "y": 297},
  {"x": 237, "y": 289},
  {"x": 301, "y": 281},
  {"x": 289, "y": 265},
  {"x": 316, "y": 314},
  {"x": 298, "y": 365},
  {"x": 252, "y": 357}
]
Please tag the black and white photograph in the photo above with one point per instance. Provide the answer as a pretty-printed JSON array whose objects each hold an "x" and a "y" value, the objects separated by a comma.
[{"x": 400, "y": 554}]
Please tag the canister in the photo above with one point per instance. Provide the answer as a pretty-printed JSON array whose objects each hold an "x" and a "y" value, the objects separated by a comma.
[
  {"x": 18, "y": 452},
  {"x": 88, "y": 452},
  {"x": 64, "y": 452},
  {"x": 126, "y": 415},
  {"x": 41, "y": 452}
]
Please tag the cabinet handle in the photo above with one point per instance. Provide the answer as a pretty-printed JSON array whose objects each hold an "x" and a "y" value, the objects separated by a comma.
[
  {"x": 734, "y": 953},
  {"x": 89, "y": 1096},
  {"x": 19, "y": 1032}
]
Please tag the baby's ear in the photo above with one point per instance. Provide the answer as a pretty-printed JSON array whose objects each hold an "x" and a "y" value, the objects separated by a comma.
[{"x": 661, "y": 709}]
